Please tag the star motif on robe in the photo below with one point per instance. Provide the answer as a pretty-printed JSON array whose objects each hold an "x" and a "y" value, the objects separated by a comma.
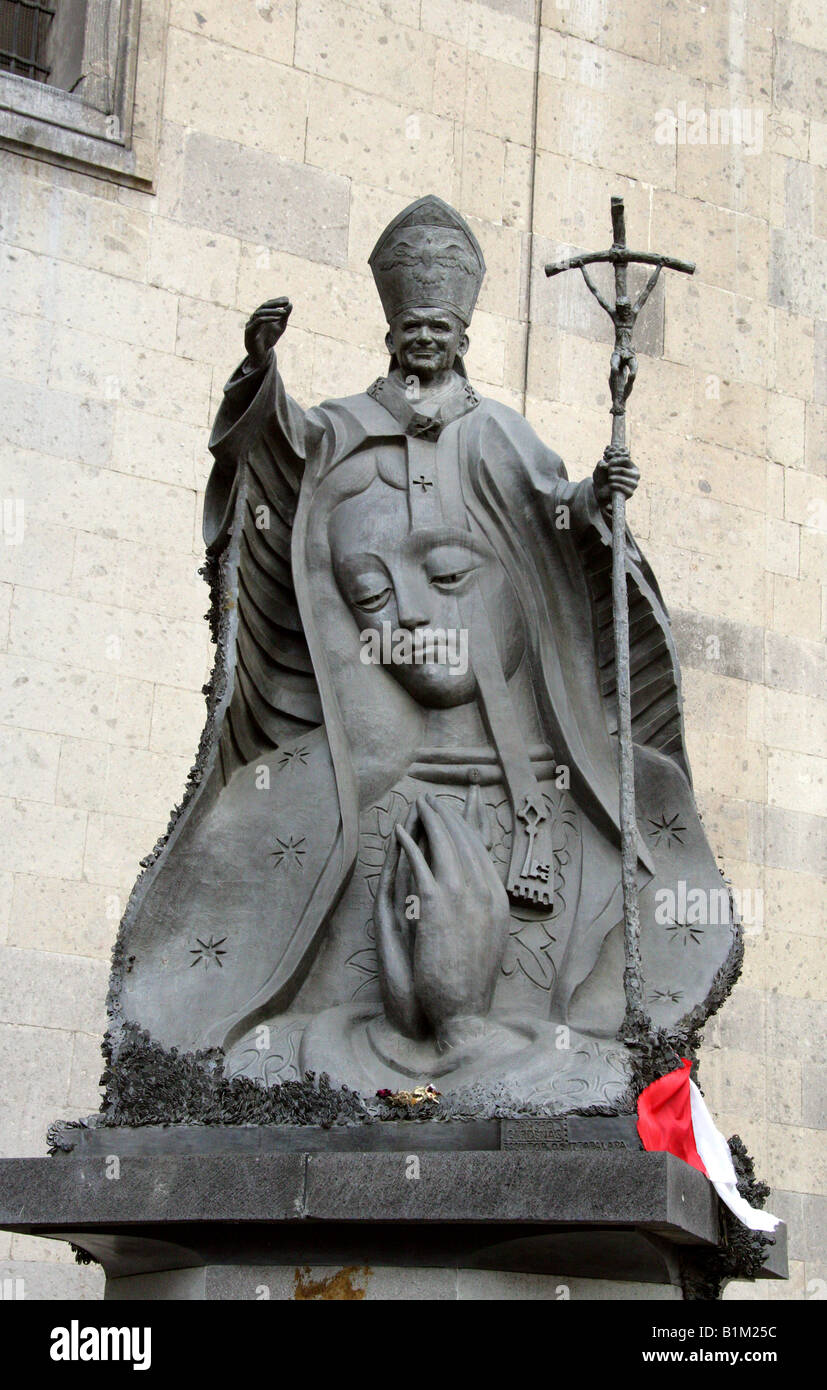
[
  {"x": 290, "y": 852},
  {"x": 294, "y": 755},
  {"x": 666, "y": 996},
  {"x": 684, "y": 932},
  {"x": 667, "y": 830},
  {"x": 209, "y": 952}
]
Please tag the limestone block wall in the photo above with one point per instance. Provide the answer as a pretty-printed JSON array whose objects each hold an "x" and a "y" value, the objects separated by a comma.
[{"x": 292, "y": 131}]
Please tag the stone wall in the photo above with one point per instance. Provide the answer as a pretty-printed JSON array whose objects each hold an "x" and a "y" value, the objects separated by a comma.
[{"x": 291, "y": 133}]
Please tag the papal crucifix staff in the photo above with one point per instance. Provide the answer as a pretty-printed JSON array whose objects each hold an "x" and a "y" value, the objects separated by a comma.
[{"x": 622, "y": 373}]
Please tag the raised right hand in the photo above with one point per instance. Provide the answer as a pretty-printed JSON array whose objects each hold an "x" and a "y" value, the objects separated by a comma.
[{"x": 264, "y": 328}]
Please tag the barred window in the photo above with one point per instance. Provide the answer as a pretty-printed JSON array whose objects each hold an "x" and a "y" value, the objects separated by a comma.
[
  {"x": 61, "y": 43},
  {"x": 24, "y": 30},
  {"x": 68, "y": 76}
]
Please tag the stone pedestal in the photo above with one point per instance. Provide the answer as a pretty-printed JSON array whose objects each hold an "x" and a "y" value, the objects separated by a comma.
[
  {"x": 393, "y": 1210},
  {"x": 374, "y": 1283}
]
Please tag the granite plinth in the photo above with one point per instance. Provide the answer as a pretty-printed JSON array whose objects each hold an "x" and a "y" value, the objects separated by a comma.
[
  {"x": 387, "y": 1136},
  {"x": 606, "y": 1214}
]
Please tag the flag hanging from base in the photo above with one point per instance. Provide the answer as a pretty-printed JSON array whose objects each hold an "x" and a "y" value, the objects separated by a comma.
[{"x": 672, "y": 1117}]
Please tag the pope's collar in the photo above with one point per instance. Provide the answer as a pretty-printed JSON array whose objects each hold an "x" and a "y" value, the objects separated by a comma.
[{"x": 456, "y": 402}]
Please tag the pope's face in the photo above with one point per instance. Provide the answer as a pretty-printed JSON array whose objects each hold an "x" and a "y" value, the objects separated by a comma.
[
  {"x": 426, "y": 341},
  {"x": 395, "y": 580}
]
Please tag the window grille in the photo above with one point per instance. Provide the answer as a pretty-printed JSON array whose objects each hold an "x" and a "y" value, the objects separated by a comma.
[
  {"x": 68, "y": 72},
  {"x": 24, "y": 25}
]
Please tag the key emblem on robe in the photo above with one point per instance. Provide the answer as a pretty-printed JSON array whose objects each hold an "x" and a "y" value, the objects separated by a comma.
[{"x": 532, "y": 812}]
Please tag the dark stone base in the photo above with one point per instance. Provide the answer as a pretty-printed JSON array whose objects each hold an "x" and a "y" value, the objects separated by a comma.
[
  {"x": 569, "y": 1133},
  {"x": 576, "y": 1211},
  {"x": 373, "y": 1283}
]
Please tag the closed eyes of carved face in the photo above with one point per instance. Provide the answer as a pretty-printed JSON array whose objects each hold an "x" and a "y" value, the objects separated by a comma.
[
  {"x": 369, "y": 591},
  {"x": 417, "y": 580},
  {"x": 447, "y": 568},
  {"x": 450, "y": 568}
]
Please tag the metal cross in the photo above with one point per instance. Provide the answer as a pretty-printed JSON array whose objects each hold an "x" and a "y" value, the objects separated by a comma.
[
  {"x": 422, "y": 482},
  {"x": 622, "y": 373}
]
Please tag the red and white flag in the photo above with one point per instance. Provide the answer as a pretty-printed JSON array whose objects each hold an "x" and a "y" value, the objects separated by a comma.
[{"x": 672, "y": 1117}]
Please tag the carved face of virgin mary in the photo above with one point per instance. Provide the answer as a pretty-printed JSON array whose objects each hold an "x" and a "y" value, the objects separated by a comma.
[{"x": 414, "y": 580}]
